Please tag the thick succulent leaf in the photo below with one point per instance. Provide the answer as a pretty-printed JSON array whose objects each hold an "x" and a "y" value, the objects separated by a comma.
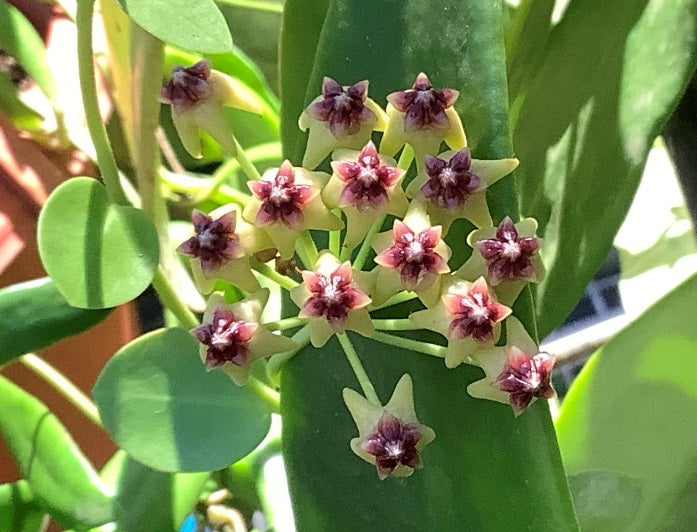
[
  {"x": 585, "y": 125},
  {"x": 197, "y": 26},
  {"x": 34, "y": 314},
  {"x": 98, "y": 254},
  {"x": 22, "y": 116},
  {"x": 483, "y": 459},
  {"x": 19, "y": 510},
  {"x": 61, "y": 478},
  {"x": 633, "y": 411},
  {"x": 160, "y": 405}
]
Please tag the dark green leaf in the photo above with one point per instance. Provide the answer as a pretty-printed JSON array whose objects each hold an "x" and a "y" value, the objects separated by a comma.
[
  {"x": 197, "y": 26},
  {"x": 161, "y": 406},
  {"x": 22, "y": 116},
  {"x": 99, "y": 254},
  {"x": 61, "y": 478},
  {"x": 34, "y": 315},
  {"x": 586, "y": 123},
  {"x": 633, "y": 410},
  {"x": 605, "y": 501},
  {"x": 19, "y": 511},
  {"x": 19, "y": 39}
]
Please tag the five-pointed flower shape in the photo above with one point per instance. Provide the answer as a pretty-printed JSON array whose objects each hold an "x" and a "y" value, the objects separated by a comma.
[
  {"x": 515, "y": 374},
  {"x": 335, "y": 298},
  {"x": 507, "y": 256},
  {"x": 232, "y": 337},
  {"x": 410, "y": 257},
  {"x": 365, "y": 186},
  {"x": 453, "y": 186},
  {"x": 220, "y": 249},
  {"x": 468, "y": 315},
  {"x": 390, "y": 436},
  {"x": 422, "y": 117},
  {"x": 197, "y": 95},
  {"x": 342, "y": 117},
  {"x": 287, "y": 201}
]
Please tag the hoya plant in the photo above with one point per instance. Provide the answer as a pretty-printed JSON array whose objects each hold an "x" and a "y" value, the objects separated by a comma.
[{"x": 367, "y": 254}]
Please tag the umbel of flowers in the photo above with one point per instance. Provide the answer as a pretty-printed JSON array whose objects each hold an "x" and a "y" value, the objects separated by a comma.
[{"x": 265, "y": 239}]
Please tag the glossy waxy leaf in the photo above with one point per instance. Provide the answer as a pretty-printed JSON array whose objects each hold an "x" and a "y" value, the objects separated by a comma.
[
  {"x": 160, "y": 405},
  {"x": 19, "y": 510},
  {"x": 633, "y": 411},
  {"x": 197, "y": 26},
  {"x": 483, "y": 459},
  {"x": 34, "y": 314},
  {"x": 98, "y": 254},
  {"x": 60, "y": 477},
  {"x": 585, "y": 124}
]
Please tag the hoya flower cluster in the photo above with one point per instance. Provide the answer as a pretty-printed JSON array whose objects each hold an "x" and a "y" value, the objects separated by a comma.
[{"x": 363, "y": 269}]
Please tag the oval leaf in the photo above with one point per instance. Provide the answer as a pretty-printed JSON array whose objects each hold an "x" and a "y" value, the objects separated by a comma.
[
  {"x": 99, "y": 254},
  {"x": 59, "y": 475},
  {"x": 34, "y": 315},
  {"x": 197, "y": 26},
  {"x": 160, "y": 405}
]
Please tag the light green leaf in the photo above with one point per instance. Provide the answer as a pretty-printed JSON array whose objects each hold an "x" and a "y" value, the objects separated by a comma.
[
  {"x": 160, "y": 405},
  {"x": 633, "y": 410},
  {"x": 59, "y": 475},
  {"x": 98, "y": 254},
  {"x": 22, "y": 116},
  {"x": 585, "y": 125},
  {"x": 19, "y": 511},
  {"x": 34, "y": 314}
]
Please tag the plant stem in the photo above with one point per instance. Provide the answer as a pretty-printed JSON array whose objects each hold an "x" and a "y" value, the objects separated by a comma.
[
  {"x": 301, "y": 338},
  {"x": 63, "y": 386},
  {"x": 413, "y": 345},
  {"x": 171, "y": 300},
  {"x": 268, "y": 272},
  {"x": 307, "y": 249},
  {"x": 345, "y": 254},
  {"x": 358, "y": 369},
  {"x": 88, "y": 86},
  {"x": 404, "y": 324},
  {"x": 406, "y": 158},
  {"x": 285, "y": 324},
  {"x": 401, "y": 297},
  {"x": 365, "y": 245},
  {"x": 259, "y": 5},
  {"x": 270, "y": 396},
  {"x": 246, "y": 163}
]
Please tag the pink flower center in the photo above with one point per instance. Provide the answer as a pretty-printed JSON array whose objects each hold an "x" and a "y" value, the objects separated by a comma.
[
  {"x": 474, "y": 313},
  {"x": 367, "y": 180},
  {"x": 188, "y": 86},
  {"x": 507, "y": 255},
  {"x": 525, "y": 377},
  {"x": 214, "y": 242},
  {"x": 450, "y": 183},
  {"x": 424, "y": 107},
  {"x": 281, "y": 199},
  {"x": 343, "y": 109},
  {"x": 226, "y": 339},
  {"x": 393, "y": 443}
]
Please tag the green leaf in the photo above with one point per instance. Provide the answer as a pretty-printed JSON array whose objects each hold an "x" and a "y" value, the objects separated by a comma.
[
  {"x": 160, "y": 405},
  {"x": 19, "y": 39},
  {"x": 586, "y": 123},
  {"x": 22, "y": 116},
  {"x": 197, "y": 26},
  {"x": 98, "y": 254},
  {"x": 605, "y": 501},
  {"x": 61, "y": 478},
  {"x": 34, "y": 314},
  {"x": 300, "y": 33},
  {"x": 633, "y": 410},
  {"x": 19, "y": 510}
]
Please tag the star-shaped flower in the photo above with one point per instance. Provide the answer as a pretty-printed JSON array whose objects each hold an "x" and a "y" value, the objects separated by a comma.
[
  {"x": 287, "y": 201},
  {"x": 221, "y": 247},
  {"x": 507, "y": 256},
  {"x": 232, "y": 337},
  {"x": 335, "y": 298},
  {"x": 468, "y": 315},
  {"x": 197, "y": 95},
  {"x": 422, "y": 117},
  {"x": 515, "y": 374},
  {"x": 453, "y": 186},
  {"x": 365, "y": 186},
  {"x": 410, "y": 257},
  {"x": 390, "y": 436},
  {"x": 342, "y": 117}
]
